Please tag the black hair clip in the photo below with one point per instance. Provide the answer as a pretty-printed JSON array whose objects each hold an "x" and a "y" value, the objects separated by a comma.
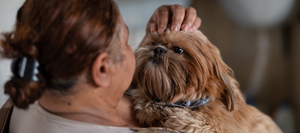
[{"x": 25, "y": 67}]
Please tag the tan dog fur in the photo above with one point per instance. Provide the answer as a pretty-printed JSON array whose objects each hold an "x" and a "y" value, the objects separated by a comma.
[{"x": 197, "y": 72}]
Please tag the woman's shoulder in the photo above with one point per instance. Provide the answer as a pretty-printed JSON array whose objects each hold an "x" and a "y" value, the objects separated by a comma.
[{"x": 35, "y": 119}]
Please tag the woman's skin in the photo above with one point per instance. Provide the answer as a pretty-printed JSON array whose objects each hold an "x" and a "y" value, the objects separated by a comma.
[{"x": 104, "y": 102}]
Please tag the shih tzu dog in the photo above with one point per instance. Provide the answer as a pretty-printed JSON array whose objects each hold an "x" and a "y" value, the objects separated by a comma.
[{"x": 182, "y": 83}]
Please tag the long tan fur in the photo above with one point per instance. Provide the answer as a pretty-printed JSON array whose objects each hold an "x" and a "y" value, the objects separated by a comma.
[{"x": 197, "y": 72}]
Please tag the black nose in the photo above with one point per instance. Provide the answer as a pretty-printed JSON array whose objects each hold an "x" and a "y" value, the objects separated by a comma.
[{"x": 159, "y": 51}]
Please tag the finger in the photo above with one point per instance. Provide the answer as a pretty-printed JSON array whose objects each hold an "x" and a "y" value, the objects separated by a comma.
[
  {"x": 190, "y": 17},
  {"x": 152, "y": 27},
  {"x": 163, "y": 16},
  {"x": 178, "y": 13},
  {"x": 196, "y": 24}
]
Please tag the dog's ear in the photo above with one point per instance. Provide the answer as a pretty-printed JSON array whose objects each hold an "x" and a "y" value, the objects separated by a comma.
[
  {"x": 214, "y": 66},
  {"x": 227, "y": 95},
  {"x": 223, "y": 73}
]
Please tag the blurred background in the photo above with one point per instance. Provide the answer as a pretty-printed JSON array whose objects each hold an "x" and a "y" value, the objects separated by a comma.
[{"x": 258, "y": 39}]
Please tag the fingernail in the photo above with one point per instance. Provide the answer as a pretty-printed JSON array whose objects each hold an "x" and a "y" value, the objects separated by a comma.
[
  {"x": 185, "y": 27},
  {"x": 174, "y": 28},
  {"x": 192, "y": 29},
  {"x": 161, "y": 31},
  {"x": 151, "y": 30}
]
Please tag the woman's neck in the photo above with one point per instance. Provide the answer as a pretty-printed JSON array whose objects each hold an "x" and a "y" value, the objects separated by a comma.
[{"x": 85, "y": 106}]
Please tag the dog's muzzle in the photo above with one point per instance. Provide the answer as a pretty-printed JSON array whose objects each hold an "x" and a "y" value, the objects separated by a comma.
[
  {"x": 158, "y": 51},
  {"x": 157, "y": 56}
]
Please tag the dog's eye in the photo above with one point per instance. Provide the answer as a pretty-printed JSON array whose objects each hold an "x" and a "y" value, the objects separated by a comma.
[
  {"x": 178, "y": 50},
  {"x": 153, "y": 44}
]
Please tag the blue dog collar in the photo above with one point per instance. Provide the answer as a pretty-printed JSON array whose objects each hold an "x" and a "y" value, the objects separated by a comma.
[{"x": 189, "y": 104}]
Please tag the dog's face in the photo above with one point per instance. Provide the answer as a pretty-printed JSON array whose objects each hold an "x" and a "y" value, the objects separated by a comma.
[{"x": 182, "y": 66}]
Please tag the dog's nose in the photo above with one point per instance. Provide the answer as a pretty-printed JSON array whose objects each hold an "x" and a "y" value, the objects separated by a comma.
[{"x": 159, "y": 51}]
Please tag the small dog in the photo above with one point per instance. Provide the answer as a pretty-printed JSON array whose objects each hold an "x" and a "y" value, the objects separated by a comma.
[{"x": 182, "y": 83}]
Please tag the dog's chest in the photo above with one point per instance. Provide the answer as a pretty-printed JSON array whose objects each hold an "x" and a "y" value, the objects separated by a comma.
[{"x": 151, "y": 114}]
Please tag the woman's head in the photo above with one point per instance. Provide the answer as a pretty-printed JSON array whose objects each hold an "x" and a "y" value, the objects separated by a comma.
[{"x": 65, "y": 37}]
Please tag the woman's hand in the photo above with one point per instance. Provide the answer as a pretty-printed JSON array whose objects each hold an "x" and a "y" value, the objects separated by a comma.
[{"x": 177, "y": 16}]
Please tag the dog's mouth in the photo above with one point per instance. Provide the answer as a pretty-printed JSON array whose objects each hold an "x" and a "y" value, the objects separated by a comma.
[{"x": 155, "y": 60}]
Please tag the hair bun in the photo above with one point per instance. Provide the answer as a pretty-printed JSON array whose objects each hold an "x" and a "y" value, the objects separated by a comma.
[{"x": 23, "y": 91}]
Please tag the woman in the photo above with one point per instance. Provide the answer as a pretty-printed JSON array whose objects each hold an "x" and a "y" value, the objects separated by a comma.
[{"x": 72, "y": 57}]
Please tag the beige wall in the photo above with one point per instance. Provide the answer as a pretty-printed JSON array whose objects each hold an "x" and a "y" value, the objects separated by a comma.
[
  {"x": 8, "y": 11},
  {"x": 281, "y": 78},
  {"x": 238, "y": 49},
  {"x": 295, "y": 70}
]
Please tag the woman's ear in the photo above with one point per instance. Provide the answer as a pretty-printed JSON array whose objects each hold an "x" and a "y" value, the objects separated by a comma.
[{"x": 100, "y": 72}]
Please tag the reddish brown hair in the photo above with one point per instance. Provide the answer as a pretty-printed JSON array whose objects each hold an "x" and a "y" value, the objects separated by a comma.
[{"x": 64, "y": 36}]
